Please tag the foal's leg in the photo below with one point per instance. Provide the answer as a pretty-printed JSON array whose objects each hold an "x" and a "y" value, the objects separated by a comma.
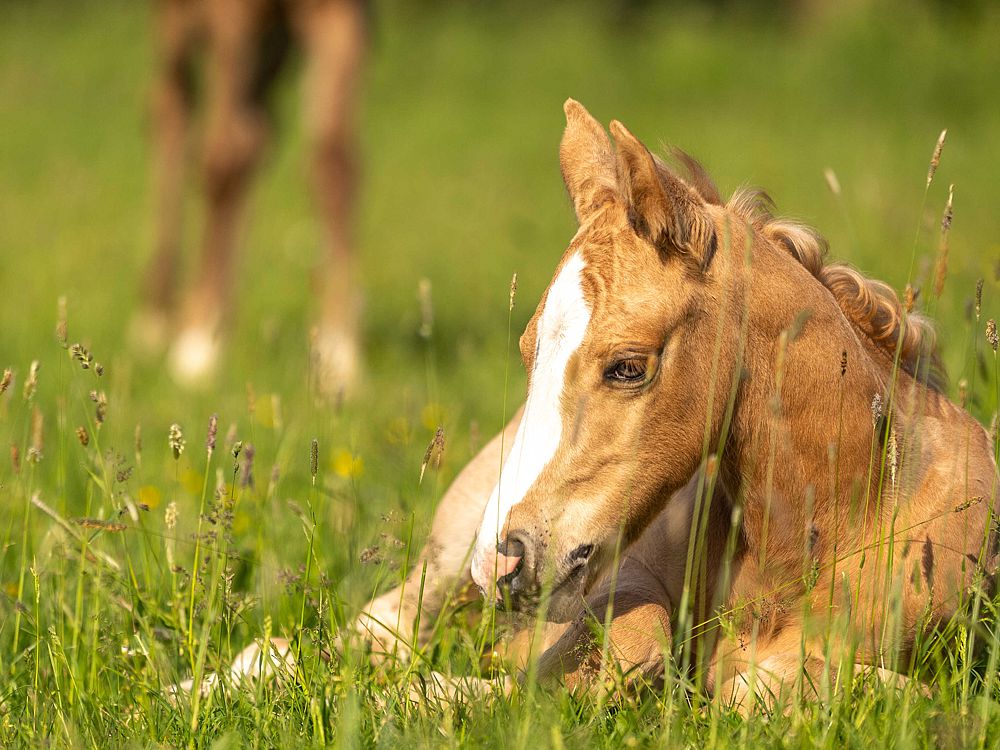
[
  {"x": 333, "y": 33},
  {"x": 388, "y": 620},
  {"x": 648, "y": 579},
  {"x": 781, "y": 672},
  {"x": 767, "y": 674},
  {"x": 630, "y": 656},
  {"x": 235, "y": 131},
  {"x": 172, "y": 102},
  {"x": 631, "y": 653}
]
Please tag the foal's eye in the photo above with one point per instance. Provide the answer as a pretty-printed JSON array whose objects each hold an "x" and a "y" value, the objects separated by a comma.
[{"x": 629, "y": 371}]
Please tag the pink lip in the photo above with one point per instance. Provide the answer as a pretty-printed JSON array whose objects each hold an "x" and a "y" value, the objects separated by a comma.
[{"x": 488, "y": 567}]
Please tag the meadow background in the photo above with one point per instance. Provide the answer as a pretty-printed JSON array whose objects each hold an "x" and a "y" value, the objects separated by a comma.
[{"x": 461, "y": 122}]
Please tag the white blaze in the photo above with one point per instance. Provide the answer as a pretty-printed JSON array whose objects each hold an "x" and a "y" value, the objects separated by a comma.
[{"x": 561, "y": 329}]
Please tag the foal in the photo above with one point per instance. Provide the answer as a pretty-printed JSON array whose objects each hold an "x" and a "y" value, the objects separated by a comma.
[
  {"x": 245, "y": 43},
  {"x": 737, "y": 451}
]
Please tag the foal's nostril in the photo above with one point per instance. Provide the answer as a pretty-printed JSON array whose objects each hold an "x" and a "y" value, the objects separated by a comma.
[
  {"x": 581, "y": 553},
  {"x": 511, "y": 547}
]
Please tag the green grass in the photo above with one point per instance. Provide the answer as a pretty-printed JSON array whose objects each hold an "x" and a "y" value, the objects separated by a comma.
[{"x": 462, "y": 118}]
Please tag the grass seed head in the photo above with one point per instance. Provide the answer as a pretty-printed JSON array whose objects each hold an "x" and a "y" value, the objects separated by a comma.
[
  {"x": 963, "y": 391},
  {"x": 175, "y": 438},
  {"x": 100, "y": 400},
  {"x": 979, "y": 298},
  {"x": 170, "y": 515},
  {"x": 83, "y": 436},
  {"x": 971, "y": 502},
  {"x": 991, "y": 334},
  {"x": 936, "y": 156},
  {"x": 314, "y": 459},
  {"x": 433, "y": 453},
  {"x": 246, "y": 468},
  {"x": 61, "y": 326},
  {"x": 82, "y": 355},
  {"x": 426, "y": 308},
  {"x": 6, "y": 380},
  {"x": 213, "y": 431},
  {"x": 831, "y": 181},
  {"x": 949, "y": 212},
  {"x": 97, "y": 523},
  {"x": 941, "y": 267},
  {"x": 31, "y": 382},
  {"x": 37, "y": 436},
  {"x": 15, "y": 458},
  {"x": 876, "y": 408},
  {"x": 513, "y": 291}
]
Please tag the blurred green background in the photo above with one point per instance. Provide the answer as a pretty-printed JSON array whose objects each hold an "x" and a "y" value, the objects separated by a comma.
[{"x": 460, "y": 128}]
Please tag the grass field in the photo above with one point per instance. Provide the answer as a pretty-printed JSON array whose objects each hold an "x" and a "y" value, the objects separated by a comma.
[{"x": 462, "y": 119}]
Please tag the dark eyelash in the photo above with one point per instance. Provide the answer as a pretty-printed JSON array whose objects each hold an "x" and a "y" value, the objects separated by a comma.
[{"x": 629, "y": 370}]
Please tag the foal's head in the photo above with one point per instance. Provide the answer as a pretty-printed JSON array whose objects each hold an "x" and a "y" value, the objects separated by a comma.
[
  {"x": 636, "y": 344},
  {"x": 619, "y": 358}
]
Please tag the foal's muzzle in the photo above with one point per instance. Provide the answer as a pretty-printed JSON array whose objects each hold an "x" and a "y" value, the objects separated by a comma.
[
  {"x": 507, "y": 572},
  {"x": 516, "y": 579},
  {"x": 518, "y": 583}
]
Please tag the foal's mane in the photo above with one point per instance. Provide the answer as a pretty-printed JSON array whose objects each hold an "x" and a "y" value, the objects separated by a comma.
[{"x": 871, "y": 306}]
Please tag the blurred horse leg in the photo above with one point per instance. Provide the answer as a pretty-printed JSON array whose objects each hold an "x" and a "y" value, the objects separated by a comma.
[
  {"x": 334, "y": 36},
  {"x": 388, "y": 621},
  {"x": 242, "y": 61},
  {"x": 172, "y": 103}
]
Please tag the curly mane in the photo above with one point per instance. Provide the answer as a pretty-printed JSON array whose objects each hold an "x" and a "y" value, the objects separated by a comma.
[{"x": 870, "y": 305}]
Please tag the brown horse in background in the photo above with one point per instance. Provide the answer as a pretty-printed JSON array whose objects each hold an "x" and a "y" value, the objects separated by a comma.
[
  {"x": 244, "y": 43},
  {"x": 732, "y": 451}
]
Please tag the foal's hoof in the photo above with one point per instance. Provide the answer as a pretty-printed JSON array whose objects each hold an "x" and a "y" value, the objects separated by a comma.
[
  {"x": 193, "y": 356},
  {"x": 335, "y": 361},
  {"x": 258, "y": 662},
  {"x": 381, "y": 626},
  {"x": 437, "y": 689}
]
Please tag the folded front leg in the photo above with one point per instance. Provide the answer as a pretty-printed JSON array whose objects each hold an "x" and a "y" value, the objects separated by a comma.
[
  {"x": 389, "y": 620},
  {"x": 628, "y": 654}
]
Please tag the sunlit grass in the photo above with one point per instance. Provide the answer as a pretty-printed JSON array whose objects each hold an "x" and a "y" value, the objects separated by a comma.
[{"x": 126, "y": 569}]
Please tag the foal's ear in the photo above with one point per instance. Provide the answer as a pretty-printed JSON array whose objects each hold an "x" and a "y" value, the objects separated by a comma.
[
  {"x": 586, "y": 160},
  {"x": 662, "y": 208}
]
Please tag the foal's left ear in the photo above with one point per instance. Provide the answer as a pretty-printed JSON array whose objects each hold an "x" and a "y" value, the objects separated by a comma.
[
  {"x": 587, "y": 161},
  {"x": 663, "y": 209}
]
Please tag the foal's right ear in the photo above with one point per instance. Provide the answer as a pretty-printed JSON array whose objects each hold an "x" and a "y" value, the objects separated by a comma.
[
  {"x": 586, "y": 160},
  {"x": 662, "y": 207}
]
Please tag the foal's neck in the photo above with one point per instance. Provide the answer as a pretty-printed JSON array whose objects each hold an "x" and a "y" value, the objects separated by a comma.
[{"x": 805, "y": 450}]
